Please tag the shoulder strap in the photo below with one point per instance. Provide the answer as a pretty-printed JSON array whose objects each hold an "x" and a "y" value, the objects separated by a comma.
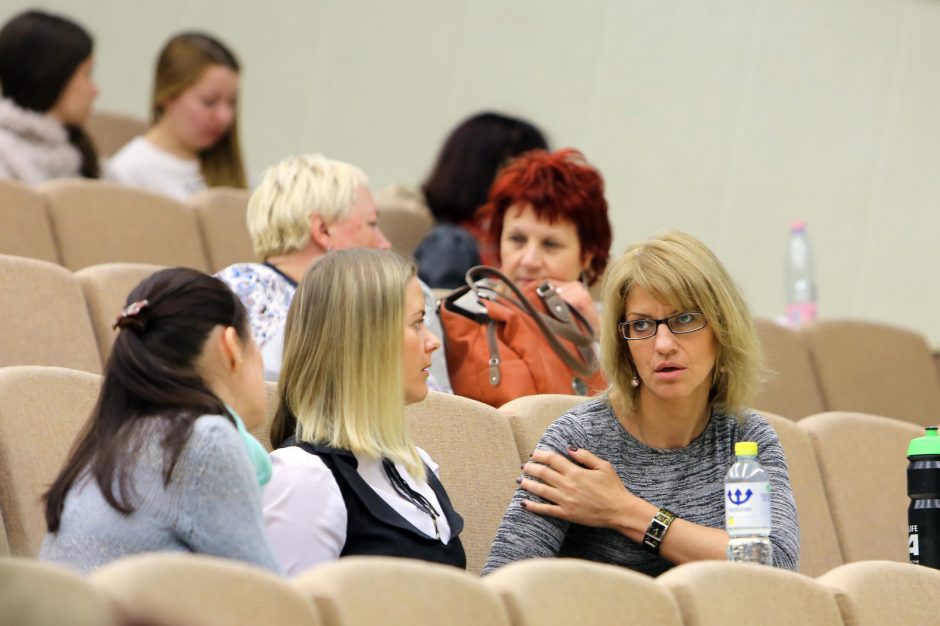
[{"x": 549, "y": 326}]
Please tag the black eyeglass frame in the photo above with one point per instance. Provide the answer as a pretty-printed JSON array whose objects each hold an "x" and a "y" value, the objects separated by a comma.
[{"x": 622, "y": 326}]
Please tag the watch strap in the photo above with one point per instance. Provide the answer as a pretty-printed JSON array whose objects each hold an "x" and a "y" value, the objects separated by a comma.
[{"x": 657, "y": 529}]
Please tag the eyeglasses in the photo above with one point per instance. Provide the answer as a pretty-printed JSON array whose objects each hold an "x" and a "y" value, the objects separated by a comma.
[{"x": 679, "y": 324}]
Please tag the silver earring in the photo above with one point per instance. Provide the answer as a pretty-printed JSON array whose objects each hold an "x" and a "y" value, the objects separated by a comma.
[{"x": 635, "y": 382}]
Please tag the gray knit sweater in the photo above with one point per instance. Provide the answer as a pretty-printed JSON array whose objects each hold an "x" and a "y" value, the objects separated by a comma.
[
  {"x": 212, "y": 505},
  {"x": 688, "y": 481}
]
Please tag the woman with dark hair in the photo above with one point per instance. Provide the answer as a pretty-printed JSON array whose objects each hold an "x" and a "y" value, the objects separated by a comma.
[
  {"x": 45, "y": 76},
  {"x": 458, "y": 186},
  {"x": 165, "y": 462},
  {"x": 193, "y": 140}
]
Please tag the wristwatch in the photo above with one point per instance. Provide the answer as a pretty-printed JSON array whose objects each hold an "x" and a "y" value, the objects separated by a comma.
[{"x": 657, "y": 530}]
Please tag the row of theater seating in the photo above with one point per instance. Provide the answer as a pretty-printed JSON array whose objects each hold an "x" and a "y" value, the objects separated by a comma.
[
  {"x": 83, "y": 222},
  {"x": 64, "y": 319},
  {"x": 847, "y": 470},
  {"x": 165, "y": 590}
]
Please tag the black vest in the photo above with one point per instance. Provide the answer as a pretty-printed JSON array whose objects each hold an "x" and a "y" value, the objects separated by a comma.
[{"x": 375, "y": 528}]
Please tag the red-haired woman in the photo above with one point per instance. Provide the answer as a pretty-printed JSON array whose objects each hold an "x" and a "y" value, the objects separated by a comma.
[{"x": 548, "y": 214}]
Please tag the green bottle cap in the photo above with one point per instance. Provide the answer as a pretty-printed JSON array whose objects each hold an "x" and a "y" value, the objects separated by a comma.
[{"x": 927, "y": 445}]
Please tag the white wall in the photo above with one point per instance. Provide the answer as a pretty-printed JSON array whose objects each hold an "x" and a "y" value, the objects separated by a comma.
[{"x": 726, "y": 118}]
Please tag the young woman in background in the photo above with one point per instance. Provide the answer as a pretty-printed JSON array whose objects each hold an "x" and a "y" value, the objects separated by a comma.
[
  {"x": 45, "y": 75},
  {"x": 193, "y": 141}
]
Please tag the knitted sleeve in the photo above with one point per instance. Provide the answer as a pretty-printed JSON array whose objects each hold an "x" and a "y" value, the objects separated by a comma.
[
  {"x": 220, "y": 500},
  {"x": 523, "y": 534}
]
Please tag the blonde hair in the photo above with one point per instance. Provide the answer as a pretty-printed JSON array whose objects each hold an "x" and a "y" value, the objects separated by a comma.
[
  {"x": 290, "y": 192},
  {"x": 181, "y": 64},
  {"x": 679, "y": 270},
  {"x": 342, "y": 378}
]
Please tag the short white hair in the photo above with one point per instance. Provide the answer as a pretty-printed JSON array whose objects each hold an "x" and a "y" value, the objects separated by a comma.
[{"x": 290, "y": 192}]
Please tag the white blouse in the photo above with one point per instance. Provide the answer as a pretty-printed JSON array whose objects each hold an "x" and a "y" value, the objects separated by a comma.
[{"x": 305, "y": 514}]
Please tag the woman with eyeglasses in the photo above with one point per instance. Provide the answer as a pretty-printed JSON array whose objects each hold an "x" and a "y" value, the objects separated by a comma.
[{"x": 635, "y": 477}]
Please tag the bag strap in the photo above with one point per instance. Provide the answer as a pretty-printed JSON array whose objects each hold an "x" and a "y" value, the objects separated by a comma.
[{"x": 550, "y": 327}]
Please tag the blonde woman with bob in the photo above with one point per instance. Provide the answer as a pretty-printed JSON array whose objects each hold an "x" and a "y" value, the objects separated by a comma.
[
  {"x": 347, "y": 478},
  {"x": 305, "y": 206},
  {"x": 635, "y": 477},
  {"x": 192, "y": 142}
]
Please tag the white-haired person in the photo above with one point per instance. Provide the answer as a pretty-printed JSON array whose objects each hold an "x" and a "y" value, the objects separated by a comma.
[
  {"x": 305, "y": 206},
  {"x": 635, "y": 477},
  {"x": 347, "y": 479}
]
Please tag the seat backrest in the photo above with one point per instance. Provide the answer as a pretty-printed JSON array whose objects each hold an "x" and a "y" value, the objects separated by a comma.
[
  {"x": 100, "y": 222},
  {"x": 874, "y": 368},
  {"x": 873, "y": 593},
  {"x": 717, "y": 593},
  {"x": 473, "y": 445},
  {"x": 863, "y": 463},
  {"x": 4, "y": 544},
  {"x": 106, "y": 288},
  {"x": 529, "y": 416},
  {"x": 791, "y": 388},
  {"x": 42, "y": 410},
  {"x": 45, "y": 320},
  {"x": 40, "y": 594},
  {"x": 819, "y": 546},
  {"x": 221, "y": 212},
  {"x": 110, "y": 131},
  {"x": 27, "y": 230},
  {"x": 403, "y": 227},
  {"x": 199, "y": 590},
  {"x": 550, "y": 592},
  {"x": 365, "y": 591}
]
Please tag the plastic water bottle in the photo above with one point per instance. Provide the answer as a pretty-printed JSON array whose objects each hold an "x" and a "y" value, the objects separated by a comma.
[
  {"x": 923, "y": 487},
  {"x": 801, "y": 278},
  {"x": 747, "y": 508}
]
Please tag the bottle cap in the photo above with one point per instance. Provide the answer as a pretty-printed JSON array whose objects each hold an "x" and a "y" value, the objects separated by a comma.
[
  {"x": 798, "y": 225},
  {"x": 927, "y": 445},
  {"x": 745, "y": 448}
]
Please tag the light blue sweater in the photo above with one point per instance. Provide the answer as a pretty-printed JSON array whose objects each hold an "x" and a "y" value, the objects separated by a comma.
[{"x": 212, "y": 505}]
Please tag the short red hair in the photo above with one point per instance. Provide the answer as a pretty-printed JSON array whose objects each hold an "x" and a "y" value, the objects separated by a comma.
[{"x": 559, "y": 186}]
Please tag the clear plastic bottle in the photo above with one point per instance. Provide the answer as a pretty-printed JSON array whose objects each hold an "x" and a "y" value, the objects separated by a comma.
[
  {"x": 801, "y": 277},
  {"x": 747, "y": 508}
]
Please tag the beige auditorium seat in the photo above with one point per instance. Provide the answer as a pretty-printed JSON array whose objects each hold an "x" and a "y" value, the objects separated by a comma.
[
  {"x": 473, "y": 445},
  {"x": 40, "y": 594},
  {"x": 4, "y": 544},
  {"x": 718, "y": 593},
  {"x": 110, "y": 131},
  {"x": 199, "y": 590},
  {"x": 563, "y": 592},
  {"x": 874, "y": 593},
  {"x": 221, "y": 212},
  {"x": 106, "y": 288},
  {"x": 26, "y": 229},
  {"x": 366, "y": 591},
  {"x": 45, "y": 320},
  {"x": 404, "y": 228},
  {"x": 863, "y": 462},
  {"x": 42, "y": 411},
  {"x": 791, "y": 388},
  {"x": 100, "y": 222},
  {"x": 529, "y": 416},
  {"x": 819, "y": 545},
  {"x": 875, "y": 368}
]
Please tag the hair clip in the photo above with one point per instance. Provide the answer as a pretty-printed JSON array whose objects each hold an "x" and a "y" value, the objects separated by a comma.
[{"x": 131, "y": 311}]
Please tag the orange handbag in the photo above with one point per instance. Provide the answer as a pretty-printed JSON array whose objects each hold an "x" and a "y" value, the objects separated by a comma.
[{"x": 503, "y": 343}]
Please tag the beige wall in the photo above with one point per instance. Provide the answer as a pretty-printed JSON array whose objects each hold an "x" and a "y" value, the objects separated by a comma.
[{"x": 726, "y": 118}]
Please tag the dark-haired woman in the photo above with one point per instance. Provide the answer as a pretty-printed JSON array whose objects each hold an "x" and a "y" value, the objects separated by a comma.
[
  {"x": 45, "y": 77},
  {"x": 193, "y": 140},
  {"x": 458, "y": 185},
  {"x": 165, "y": 462}
]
